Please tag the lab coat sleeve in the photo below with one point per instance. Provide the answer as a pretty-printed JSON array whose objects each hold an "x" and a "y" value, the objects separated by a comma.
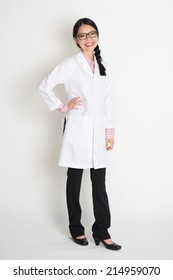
[
  {"x": 108, "y": 108},
  {"x": 46, "y": 88}
]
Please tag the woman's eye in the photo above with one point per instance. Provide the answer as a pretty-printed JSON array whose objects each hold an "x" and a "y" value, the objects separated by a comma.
[{"x": 82, "y": 36}]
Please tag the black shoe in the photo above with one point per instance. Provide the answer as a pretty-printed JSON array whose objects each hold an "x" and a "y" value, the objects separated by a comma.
[
  {"x": 112, "y": 246},
  {"x": 82, "y": 241}
]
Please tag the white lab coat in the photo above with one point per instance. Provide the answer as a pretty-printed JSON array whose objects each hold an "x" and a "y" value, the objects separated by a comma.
[{"x": 83, "y": 144}]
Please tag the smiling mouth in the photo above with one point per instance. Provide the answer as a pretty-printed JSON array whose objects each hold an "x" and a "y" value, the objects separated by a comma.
[{"x": 89, "y": 44}]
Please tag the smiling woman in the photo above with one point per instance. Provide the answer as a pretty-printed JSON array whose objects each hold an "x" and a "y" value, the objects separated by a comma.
[
  {"x": 87, "y": 40},
  {"x": 86, "y": 35},
  {"x": 89, "y": 130}
]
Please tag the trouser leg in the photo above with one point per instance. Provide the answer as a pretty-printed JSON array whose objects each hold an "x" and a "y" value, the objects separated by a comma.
[
  {"x": 73, "y": 186},
  {"x": 100, "y": 204}
]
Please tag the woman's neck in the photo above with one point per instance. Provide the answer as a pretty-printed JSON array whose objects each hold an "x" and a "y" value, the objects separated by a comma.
[{"x": 90, "y": 55}]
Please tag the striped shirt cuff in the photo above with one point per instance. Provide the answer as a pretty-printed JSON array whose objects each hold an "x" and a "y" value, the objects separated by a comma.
[
  {"x": 62, "y": 108},
  {"x": 110, "y": 133}
]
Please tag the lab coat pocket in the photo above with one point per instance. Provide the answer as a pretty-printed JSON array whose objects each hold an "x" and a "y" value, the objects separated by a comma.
[{"x": 78, "y": 129}]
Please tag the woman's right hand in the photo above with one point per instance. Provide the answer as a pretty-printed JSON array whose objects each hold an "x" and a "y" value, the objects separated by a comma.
[{"x": 74, "y": 103}]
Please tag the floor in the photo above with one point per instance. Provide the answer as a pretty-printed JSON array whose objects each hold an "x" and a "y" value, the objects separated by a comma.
[{"x": 140, "y": 240}]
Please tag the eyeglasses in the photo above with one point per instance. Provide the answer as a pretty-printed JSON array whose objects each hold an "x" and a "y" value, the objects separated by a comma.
[{"x": 91, "y": 34}]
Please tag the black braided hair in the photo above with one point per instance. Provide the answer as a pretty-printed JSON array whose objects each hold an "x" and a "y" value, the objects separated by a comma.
[
  {"x": 96, "y": 50},
  {"x": 99, "y": 61}
]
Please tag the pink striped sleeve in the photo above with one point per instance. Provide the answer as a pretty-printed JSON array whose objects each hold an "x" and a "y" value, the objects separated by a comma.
[
  {"x": 110, "y": 133},
  {"x": 62, "y": 108}
]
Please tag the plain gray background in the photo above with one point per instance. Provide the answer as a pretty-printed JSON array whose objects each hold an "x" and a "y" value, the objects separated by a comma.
[{"x": 136, "y": 40}]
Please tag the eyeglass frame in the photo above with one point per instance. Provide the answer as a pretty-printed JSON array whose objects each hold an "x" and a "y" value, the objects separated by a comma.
[{"x": 87, "y": 34}]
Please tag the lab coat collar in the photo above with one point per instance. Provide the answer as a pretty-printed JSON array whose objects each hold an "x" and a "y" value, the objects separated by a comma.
[{"x": 84, "y": 64}]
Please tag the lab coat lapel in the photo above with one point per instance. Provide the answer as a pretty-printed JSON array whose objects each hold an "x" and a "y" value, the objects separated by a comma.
[{"x": 85, "y": 65}]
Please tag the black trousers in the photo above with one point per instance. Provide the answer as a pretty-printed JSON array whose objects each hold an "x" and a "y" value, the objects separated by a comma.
[{"x": 100, "y": 202}]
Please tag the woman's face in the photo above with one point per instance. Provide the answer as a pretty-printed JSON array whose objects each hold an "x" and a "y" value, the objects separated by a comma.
[{"x": 87, "y": 38}]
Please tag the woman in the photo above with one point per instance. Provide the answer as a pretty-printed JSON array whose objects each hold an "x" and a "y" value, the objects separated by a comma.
[{"x": 88, "y": 129}]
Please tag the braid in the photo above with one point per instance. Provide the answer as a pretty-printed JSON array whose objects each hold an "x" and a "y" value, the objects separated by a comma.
[{"x": 99, "y": 61}]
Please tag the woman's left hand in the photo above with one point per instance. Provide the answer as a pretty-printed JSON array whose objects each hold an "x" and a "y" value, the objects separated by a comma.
[{"x": 109, "y": 144}]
